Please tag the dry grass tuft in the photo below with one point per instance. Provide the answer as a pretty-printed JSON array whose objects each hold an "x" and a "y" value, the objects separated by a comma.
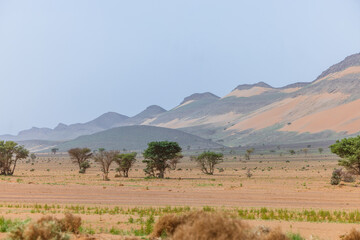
[
  {"x": 70, "y": 223},
  {"x": 353, "y": 235},
  {"x": 209, "y": 226},
  {"x": 276, "y": 234},
  {"x": 47, "y": 227}
]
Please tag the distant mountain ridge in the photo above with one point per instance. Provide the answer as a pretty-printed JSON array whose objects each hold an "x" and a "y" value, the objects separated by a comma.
[
  {"x": 136, "y": 138},
  {"x": 323, "y": 109}
]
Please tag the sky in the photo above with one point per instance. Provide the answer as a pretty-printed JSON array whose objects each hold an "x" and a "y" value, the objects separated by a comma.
[{"x": 71, "y": 61}]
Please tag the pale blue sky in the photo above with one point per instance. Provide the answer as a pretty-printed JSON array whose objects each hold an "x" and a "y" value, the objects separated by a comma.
[{"x": 72, "y": 60}]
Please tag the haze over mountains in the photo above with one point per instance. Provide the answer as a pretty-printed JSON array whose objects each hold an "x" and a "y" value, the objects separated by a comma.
[{"x": 324, "y": 109}]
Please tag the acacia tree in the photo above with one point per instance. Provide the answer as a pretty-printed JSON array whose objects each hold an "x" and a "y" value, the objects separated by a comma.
[
  {"x": 125, "y": 162},
  {"x": 349, "y": 150},
  {"x": 305, "y": 150},
  {"x": 158, "y": 156},
  {"x": 105, "y": 159},
  {"x": 10, "y": 153},
  {"x": 320, "y": 150},
  {"x": 33, "y": 156},
  {"x": 248, "y": 153},
  {"x": 207, "y": 161},
  {"x": 81, "y": 157},
  {"x": 54, "y": 150}
]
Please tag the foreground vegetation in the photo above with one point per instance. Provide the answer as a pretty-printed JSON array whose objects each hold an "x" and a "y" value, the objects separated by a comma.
[{"x": 194, "y": 224}]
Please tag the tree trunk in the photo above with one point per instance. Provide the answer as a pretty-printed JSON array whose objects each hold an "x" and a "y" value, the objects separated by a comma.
[
  {"x": 105, "y": 176},
  {"x": 161, "y": 174}
]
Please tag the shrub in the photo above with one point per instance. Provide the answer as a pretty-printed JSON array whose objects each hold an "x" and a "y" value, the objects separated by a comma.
[
  {"x": 336, "y": 177},
  {"x": 210, "y": 226},
  {"x": 47, "y": 227},
  {"x": 353, "y": 235}
]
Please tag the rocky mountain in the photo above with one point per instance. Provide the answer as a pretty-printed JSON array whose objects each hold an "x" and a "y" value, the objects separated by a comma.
[
  {"x": 321, "y": 110},
  {"x": 64, "y": 132},
  {"x": 148, "y": 114},
  {"x": 258, "y": 113}
]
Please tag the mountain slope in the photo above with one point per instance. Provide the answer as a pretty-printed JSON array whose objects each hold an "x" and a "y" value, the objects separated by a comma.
[
  {"x": 66, "y": 132},
  {"x": 136, "y": 138},
  {"x": 324, "y": 109},
  {"x": 147, "y": 115}
]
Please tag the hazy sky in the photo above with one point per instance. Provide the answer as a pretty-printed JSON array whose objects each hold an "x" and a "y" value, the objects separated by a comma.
[{"x": 72, "y": 60}]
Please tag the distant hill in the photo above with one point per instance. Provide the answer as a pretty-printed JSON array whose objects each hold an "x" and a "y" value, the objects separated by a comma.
[
  {"x": 148, "y": 114},
  {"x": 136, "y": 138},
  {"x": 66, "y": 132},
  {"x": 322, "y": 110}
]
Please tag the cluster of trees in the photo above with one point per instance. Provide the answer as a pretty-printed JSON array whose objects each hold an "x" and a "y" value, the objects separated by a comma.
[
  {"x": 82, "y": 157},
  {"x": 159, "y": 157}
]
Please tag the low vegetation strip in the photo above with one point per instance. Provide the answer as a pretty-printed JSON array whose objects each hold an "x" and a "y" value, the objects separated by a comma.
[
  {"x": 305, "y": 215},
  {"x": 191, "y": 225}
]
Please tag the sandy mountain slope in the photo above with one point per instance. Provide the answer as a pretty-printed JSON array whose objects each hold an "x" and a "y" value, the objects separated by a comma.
[
  {"x": 326, "y": 107},
  {"x": 322, "y": 110}
]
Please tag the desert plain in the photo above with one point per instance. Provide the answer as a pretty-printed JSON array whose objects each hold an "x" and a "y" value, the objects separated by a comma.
[{"x": 292, "y": 192}]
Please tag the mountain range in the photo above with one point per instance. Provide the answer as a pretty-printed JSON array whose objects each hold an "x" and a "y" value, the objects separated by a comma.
[{"x": 321, "y": 110}]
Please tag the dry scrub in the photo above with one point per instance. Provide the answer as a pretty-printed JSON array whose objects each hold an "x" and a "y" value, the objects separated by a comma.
[
  {"x": 208, "y": 226},
  {"x": 47, "y": 227},
  {"x": 353, "y": 235}
]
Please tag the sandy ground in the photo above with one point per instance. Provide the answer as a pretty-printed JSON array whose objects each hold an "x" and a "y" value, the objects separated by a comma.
[{"x": 291, "y": 182}]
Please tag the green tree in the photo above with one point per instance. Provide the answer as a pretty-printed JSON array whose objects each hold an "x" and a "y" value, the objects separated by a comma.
[
  {"x": 158, "y": 156},
  {"x": 54, "y": 150},
  {"x": 248, "y": 153},
  {"x": 349, "y": 150},
  {"x": 33, "y": 156},
  {"x": 125, "y": 162},
  {"x": 10, "y": 153},
  {"x": 207, "y": 161},
  {"x": 320, "y": 150},
  {"x": 305, "y": 150},
  {"x": 81, "y": 157},
  {"x": 291, "y": 151}
]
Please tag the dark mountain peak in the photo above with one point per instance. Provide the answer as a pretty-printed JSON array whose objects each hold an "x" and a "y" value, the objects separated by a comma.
[
  {"x": 350, "y": 61},
  {"x": 296, "y": 85},
  {"x": 60, "y": 126},
  {"x": 34, "y": 130},
  {"x": 155, "y": 108},
  {"x": 149, "y": 112},
  {"x": 200, "y": 96},
  {"x": 249, "y": 86}
]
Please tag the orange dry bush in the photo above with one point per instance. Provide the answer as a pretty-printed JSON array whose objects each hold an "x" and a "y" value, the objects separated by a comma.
[
  {"x": 353, "y": 235},
  {"x": 47, "y": 227},
  {"x": 70, "y": 223},
  {"x": 209, "y": 226},
  {"x": 275, "y": 235}
]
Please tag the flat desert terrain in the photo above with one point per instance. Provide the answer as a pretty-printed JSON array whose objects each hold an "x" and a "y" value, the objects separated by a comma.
[{"x": 289, "y": 191}]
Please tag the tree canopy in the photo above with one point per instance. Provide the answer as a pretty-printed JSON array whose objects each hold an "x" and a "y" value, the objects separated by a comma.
[
  {"x": 125, "y": 162},
  {"x": 207, "y": 161},
  {"x": 349, "y": 150},
  {"x": 10, "y": 153},
  {"x": 80, "y": 156},
  {"x": 158, "y": 156}
]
